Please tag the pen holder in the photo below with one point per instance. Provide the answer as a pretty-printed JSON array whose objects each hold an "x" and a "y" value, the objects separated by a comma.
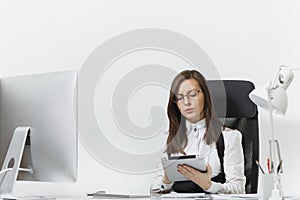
[
  {"x": 266, "y": 185},
  {"x": 277, "y": 193}
]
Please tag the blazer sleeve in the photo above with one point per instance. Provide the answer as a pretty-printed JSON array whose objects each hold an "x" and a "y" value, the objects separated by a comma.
[
  {"x": 233, "y": 165},
  {"x": 157, "y": 184}
]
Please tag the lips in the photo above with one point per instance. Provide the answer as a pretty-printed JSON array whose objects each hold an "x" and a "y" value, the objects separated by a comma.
[{"x": 189, "y": 110}]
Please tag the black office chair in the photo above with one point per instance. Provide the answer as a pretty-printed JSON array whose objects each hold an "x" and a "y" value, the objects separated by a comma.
[{"x": 237, "y": 111}]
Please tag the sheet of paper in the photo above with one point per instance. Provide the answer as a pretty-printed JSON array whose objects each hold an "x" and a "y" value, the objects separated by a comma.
[
  {"x": 248, "y": 196},
  {"x": 183, "y": 195},
  {"x": 235, "y": 196}
]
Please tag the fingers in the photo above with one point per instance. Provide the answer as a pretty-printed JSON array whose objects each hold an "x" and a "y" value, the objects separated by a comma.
[
  {"x": 186, "y": 170},
  {"x": 189, "y": 172}
]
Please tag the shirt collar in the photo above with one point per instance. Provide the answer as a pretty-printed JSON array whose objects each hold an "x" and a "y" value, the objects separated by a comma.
[{"x": 198, "y": 125}]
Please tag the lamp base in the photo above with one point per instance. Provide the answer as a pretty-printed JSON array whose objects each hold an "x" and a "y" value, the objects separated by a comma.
[{"x": 275, "y": 195}]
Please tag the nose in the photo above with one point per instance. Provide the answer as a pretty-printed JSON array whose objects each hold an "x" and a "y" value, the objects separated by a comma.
[{"x": 186, "y": 100}]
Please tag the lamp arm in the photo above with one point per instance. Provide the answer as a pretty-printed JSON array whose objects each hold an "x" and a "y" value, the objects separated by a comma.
[
  {"x": 272, "y": 148},
  {"x": 277, "y": 193}
]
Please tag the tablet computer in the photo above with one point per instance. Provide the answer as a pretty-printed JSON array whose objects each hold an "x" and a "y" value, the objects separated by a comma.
[{"x": 170, "y": 165}]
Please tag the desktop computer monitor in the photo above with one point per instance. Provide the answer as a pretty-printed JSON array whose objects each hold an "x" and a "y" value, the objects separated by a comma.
[{"x": 47, "y": 103}]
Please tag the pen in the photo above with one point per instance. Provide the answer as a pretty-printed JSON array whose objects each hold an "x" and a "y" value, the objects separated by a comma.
[
  {"x": 268, "y": 165},
  {"x": 260, "y": 167},
  {"x": 272, "y": 167},
  {"x": 279, "y": 167}
]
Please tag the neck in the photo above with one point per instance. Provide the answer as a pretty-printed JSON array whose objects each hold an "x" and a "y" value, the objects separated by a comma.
[{"x": 195, "y": 120}]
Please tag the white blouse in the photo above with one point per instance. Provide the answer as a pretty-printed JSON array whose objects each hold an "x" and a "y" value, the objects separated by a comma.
[{"x": 233, "y": 159}]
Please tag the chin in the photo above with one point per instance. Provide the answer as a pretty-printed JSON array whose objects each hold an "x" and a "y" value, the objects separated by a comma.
[{"x": 192, "y": 118}]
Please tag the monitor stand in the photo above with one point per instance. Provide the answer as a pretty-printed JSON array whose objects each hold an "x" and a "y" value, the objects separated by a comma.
[{"x": 11, "y": 165}]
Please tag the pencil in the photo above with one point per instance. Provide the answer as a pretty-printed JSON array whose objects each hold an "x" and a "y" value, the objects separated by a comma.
[
  {"x": 257, "y": 163},
  {"x": 268, "y": 165}
]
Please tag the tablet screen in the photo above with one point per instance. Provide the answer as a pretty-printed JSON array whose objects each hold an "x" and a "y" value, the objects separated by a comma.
[{"x": 181, "y": 157}]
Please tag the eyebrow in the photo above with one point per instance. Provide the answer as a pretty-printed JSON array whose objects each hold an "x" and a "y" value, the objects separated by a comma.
[{"x": 190, "y": 91}]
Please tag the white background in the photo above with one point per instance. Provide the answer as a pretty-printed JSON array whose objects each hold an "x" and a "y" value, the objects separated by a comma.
[{"x": 245, "y": 39}]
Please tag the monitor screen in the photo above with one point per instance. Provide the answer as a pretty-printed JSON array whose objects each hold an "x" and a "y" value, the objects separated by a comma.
[{"x": 47, "y": 103}]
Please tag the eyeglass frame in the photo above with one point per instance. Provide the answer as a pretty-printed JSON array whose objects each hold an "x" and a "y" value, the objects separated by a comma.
[{"x": 181, "y": 100}]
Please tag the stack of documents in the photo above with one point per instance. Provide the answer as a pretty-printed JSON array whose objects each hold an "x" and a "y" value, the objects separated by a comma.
[
  {"x": 104, "y": 195},
  {"x": 185, "y": 196}
]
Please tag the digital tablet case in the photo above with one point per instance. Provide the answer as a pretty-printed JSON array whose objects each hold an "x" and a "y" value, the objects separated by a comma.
[{"x": 170, "y": 165}]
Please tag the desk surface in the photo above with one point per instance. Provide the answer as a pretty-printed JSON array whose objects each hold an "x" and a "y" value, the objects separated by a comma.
[
  {"x": 221, "y": 197},
  {"x": 157, "y": 197}
]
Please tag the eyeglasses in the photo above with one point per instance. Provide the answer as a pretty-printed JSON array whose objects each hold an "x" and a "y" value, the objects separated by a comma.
[{"x": 191, "y": 95}]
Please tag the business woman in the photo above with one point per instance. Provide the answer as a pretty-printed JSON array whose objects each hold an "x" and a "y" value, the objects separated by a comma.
[{"x": 194, "y": 129}]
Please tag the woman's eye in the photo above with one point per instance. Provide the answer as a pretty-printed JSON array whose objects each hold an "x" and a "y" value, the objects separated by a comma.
[{"x": 179, "y": 98}]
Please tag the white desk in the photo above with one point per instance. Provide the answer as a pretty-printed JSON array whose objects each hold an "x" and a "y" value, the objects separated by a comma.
[
  {"x": 220, "y": 197},
  {"x": 217, "y": 197}
]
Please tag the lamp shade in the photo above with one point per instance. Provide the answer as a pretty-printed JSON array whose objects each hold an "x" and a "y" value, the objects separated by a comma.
[{"x": 278, "y": 98}]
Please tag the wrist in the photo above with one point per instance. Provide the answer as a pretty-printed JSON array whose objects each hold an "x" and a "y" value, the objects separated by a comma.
[
  {"x": 207, "y": 186},
  {"x": 166, "y": 180}
]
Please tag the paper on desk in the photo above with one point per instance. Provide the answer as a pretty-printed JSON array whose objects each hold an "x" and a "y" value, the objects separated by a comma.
[
  {"x": 28, "y": 198},
  {"x": 36, "y": 198},
  {"x": 103, "y": 195},
  {"x": 183, "y": 195},
  {"x": 235, "y": 196},
  {"x": 248, "y": 196}
]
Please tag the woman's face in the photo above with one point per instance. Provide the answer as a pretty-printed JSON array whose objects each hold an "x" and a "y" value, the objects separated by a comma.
[{"x": 190, "y": 100}]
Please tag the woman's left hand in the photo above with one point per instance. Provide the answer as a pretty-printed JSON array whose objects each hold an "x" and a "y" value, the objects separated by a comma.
[{"x": 201, "y": 179}]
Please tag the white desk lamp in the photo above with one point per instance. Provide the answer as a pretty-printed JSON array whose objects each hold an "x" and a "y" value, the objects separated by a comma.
[{"x": 273, "y": 98}]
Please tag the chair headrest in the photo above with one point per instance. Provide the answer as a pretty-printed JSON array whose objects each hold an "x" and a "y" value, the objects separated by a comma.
[{"x": 230, "y": 98}]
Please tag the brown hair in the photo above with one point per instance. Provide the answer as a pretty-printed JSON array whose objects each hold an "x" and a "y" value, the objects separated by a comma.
[{"x": 177, "y": 139}]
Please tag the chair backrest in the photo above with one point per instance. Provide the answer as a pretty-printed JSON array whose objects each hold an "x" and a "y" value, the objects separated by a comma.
[{"x": 237, "y": 111}]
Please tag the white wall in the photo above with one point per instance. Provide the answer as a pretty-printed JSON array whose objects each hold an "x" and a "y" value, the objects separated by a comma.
[{"x": 245, "y": 40}]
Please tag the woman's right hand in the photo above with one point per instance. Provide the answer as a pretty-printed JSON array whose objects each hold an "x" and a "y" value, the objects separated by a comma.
[{"x": 166, "y": 179}]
